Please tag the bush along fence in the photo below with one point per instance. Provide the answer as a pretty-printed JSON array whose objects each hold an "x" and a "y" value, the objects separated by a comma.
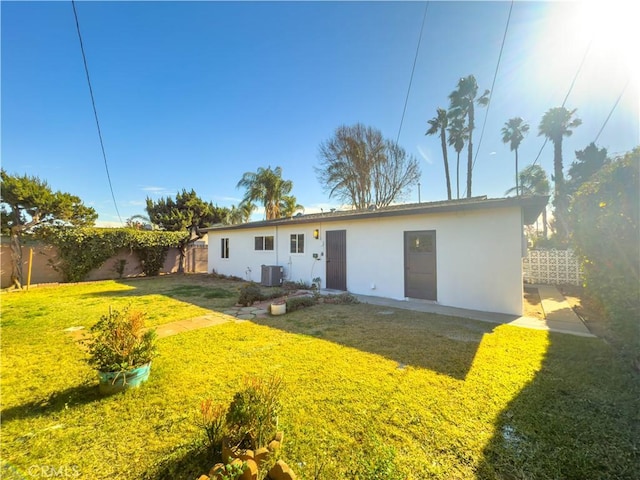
[
  {"x": 81, "y": 254},
  {"x": 552, "y": 267}
]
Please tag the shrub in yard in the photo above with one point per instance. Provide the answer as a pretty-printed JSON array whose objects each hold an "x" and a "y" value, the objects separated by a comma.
[
  {"x": 252, "y": 419},
  {"x": 341, "y": 299},
  {"x": 296, "y": 303},
  {"x": 299, "y": 285},
  {"x": 605, "y": 219},
  {"x": 212, "y": 419},
  {"x": 249, "y": 294}
]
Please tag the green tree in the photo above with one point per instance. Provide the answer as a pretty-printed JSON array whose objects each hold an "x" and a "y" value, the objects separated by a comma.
[
  {"x": 458, "y": 135},
  {"x": 267, "y": 187},
  {"x": 289, "y": 206},
  {"x": 462, "y": 105},
  {"x": 513, "y": 132},
  {"x": 28, "y": 203},
  {"x": 188, "y": 213},
  {"x": 605, "y": 219},
  {"x": 556, "y": 124},
  {"x": 438, "y": 125},
  {"x": 533, "y": 181},
  {"x": 362, "y": 168},
  {"x": 588, "y": 162}
]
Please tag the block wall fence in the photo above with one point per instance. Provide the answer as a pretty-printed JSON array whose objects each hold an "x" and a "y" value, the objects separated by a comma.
[{"x": 42, "y": 271}]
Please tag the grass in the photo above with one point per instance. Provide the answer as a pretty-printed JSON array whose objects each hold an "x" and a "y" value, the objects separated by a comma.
[{"x": 365, "y": 387}]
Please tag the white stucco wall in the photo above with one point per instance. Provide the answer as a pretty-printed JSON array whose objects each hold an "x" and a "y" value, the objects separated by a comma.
[{"x": 479, "y": 254}]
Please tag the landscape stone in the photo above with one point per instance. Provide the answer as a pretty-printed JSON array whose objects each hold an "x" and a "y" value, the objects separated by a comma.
[
  {"x": 251, "y": 471},
  {"x": 281, "y": 471},
  {"x": 274, "y": 445},
  {"x": 246, "y": 316},
  {"x": 261, "y": 455}
]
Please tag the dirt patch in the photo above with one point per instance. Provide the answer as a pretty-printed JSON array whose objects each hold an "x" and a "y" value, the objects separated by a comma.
[{"x": 532, "y": 303}]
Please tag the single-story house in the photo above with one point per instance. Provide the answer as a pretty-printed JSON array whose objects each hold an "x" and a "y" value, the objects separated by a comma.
[{"x": 462, "y": 253}]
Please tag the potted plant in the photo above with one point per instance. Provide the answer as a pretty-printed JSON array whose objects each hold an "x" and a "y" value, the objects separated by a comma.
[{"x": 121, "y": 349}]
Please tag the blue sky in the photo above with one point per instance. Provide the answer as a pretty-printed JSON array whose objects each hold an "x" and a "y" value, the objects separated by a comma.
[{"x": 194, "y": 94}]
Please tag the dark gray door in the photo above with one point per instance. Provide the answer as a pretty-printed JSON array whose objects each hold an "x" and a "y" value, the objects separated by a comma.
[
  {"x": 337, "y": 259},
  {"x": 420, "y": 265}
]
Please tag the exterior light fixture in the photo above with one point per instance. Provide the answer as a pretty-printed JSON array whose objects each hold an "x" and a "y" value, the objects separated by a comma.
[{"x": 316, "y": 234}]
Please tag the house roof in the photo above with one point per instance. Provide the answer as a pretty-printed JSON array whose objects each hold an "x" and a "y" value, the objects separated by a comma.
[{"x": 531, "y": 206}]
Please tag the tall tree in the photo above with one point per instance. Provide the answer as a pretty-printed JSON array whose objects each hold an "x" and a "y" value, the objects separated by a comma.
[
  {"x": 188, "y": 213},
  {"x": 556, "y": 124},
  {"x": 462, "y": 105},
  {"x": 588, "y": 162},
  {"x": 28, "y": 203},
  {"x": 533, "y": 181},
  {"x": 289, "y": 206},
  {"x": 458, "y": 135},
  {"x": 513, "y": 132},
  {"x": 267, "y": 187},
  {"x": 361, "y": 168},
  {"x": 438, "y": 125}
]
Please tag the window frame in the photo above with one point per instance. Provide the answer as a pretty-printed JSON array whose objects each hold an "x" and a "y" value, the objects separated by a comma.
[
  {"x": 264, "y": 243},
  {"x": 295, "y": 238}
]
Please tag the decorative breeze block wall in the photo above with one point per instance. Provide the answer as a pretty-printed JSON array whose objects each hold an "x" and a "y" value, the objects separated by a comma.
[{"x": 551, "y": 267}]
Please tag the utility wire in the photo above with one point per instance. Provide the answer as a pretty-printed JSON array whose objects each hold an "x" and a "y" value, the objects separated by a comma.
[
  {"x": 573, "y": 82},
  {"x": 611, "y": 112},
  {"x": 95, "y": 112},
  {"x": 495, "y": 74},
  {"x": 406, "y": 100}
]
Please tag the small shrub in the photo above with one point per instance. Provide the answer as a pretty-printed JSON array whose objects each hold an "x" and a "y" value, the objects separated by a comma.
[
  {"x": 212, "y": 420},
  {"x": 341, "y": 299},
  {"x": 249, "y": 294},
  {"x": 298, "y": 303},
  {"x": 231, "y": 471},
  {"x": 120, "y": 342},
  {"x": 252, "y": 418},
  {"x": 299, "y": 285}
]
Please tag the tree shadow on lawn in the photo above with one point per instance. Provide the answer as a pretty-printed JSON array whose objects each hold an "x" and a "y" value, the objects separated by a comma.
[
  {"x": 56, "y": 402},
  {"x": 577, "y": 419},
  {"x": 446, "y": 345}
]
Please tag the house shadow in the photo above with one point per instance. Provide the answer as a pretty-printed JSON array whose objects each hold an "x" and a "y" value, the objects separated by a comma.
[
  {"x": 446, "y": 345},
  {"x": 56, "y": 402},
  {"x": 576, "y": 419},
  {"x": 188, "y": 463}
]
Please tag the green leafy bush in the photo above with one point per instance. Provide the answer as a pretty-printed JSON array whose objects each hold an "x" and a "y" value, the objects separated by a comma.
[
  {"x": 249, "y": 294},
  {"x": 296, "y": 303},
  {"x": 120, "y": 342},
  {"x": 252, "y": 419},
  {"x": 341, "y": 299},
  {"x": 84, "y": 249},
  {"x": 605, "y": 219}
]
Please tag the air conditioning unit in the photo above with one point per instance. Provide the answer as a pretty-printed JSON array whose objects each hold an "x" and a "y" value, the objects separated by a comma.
[{"x": 271, "y": 276}]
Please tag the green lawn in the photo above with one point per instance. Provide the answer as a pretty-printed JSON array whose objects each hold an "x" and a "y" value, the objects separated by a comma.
[{"x": 366, "y": 387}]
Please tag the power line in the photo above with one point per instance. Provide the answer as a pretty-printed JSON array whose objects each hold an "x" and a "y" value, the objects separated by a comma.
[
  {"x": 406, "y": 100},
  {"x": 611, "y": 112},
  {"x": 573, "y": 82},
  {"x": 495, "y": 74},
  {"x": 95, "y": 112}
]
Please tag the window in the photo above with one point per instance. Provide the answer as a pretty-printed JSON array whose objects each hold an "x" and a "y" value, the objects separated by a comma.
[
  {"x": 224, "y": 248},
  {"x": 297, "y": 243},
  {"x": 264, "y": 243}
]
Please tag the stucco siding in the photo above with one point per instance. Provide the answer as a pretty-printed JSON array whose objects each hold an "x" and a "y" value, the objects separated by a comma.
[{"x": 478, "y": 256}]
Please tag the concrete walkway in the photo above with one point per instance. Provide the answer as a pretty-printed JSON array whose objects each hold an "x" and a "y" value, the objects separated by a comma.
[{"x": 559, "y": 316}]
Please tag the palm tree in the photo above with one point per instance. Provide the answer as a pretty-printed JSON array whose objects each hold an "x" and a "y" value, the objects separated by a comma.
[
  {"x": 462, "y": 101},
  {"x": 289, "y": 205},
  {"x": 438, "y": 124},
  {"x": 533, "y": 181},
  {"x": 457, "y": 136},
  {"x": 268, "y": 187},
  {"x": 246, "y": 208},
  {"x": 556, "y": 124},
  {"x": 513, "y": 132}
]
